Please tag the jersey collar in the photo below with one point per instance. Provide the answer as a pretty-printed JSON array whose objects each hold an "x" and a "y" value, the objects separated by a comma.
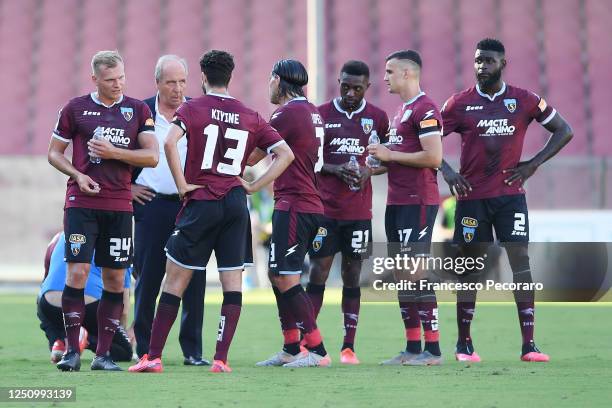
[
  {"x": 414, "y": 99},
  {"x": 349, "y": 115},
  {"x": 299, "y": 98},
  {"x": 220, "y": 95},
  {"x": 491, "y": 98},
  {"x": 94, "y": 97}
]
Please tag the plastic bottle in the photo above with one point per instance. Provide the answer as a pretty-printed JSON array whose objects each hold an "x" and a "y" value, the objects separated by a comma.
[
  {"x": 98, "y": 135},
  {"x": 371, "y": 161},
  {"x": 354, "y": 165}
]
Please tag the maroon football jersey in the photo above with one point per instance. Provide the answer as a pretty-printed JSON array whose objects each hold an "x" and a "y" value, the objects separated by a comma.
[
  {"x": 492, "y": 133},
  {"x": 121, "y": 123},
  {"x": 300, "y": 124},
  {"x": 415, "y": 119},
  {"x": 221, "y": 134},
  {"x": 346, "y": 135}
]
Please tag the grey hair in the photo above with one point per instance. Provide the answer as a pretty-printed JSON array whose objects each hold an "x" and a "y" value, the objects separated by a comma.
[
  {"x": 107, "y": 58},
  {"x": 167, "y": 58}
]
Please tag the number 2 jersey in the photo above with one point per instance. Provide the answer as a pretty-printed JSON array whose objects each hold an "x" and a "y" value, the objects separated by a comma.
[
  {"x": 492, "y": 132},
  {"x": 221, "y": 134},
  {"x": 300, "y": 125}
]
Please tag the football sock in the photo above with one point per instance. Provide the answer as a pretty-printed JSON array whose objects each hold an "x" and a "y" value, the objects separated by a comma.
[
  {"x": 525, "y": 301},
  {"x": 466, "y": 306},
  {"x": 73, "y": 309},
  {"x": 167, "y": 309},
  {"x": 351, "y": 299},
  {"x": 412, "y": 322},
  {"x": 428, "y": 312},
  {"x": 316, "y": 293},
  {"x": 230, "y": 313},
  {"x": 291, "y": 333},
  {"x": 302, "y": 309},
  {"x": 109, "y": 313}
]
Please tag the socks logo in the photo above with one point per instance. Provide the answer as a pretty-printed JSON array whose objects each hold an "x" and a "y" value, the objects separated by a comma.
[
  {"x": 529, "y": 311},
  {"x": 299, "y": 325},
  {"x": 221, "y": 328},
  {"x": 114, "y": 322},
  {"x": 73, "y": 315},
  {"x": 352, "y": 316},
  {"x": 468, "y": 311}
]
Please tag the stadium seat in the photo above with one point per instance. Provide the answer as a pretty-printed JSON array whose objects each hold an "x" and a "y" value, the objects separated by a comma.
[
  {"x": 599, "y": 50},
  {"x": 16, "y": 49}
]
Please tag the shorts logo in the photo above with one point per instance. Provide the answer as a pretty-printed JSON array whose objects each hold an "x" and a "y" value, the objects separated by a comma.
[
  {"x": 510, "y": 105},
  {"x": 128, "y": 113},
  {"x": 469, "y": 228},
  {"x": 76, "y": 240},
  {"x": 367, "y": 125},
  {"x": 317, "y": 243}
]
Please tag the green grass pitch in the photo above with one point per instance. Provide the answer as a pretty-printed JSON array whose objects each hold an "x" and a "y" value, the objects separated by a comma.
[{"x": 577, "y": 336}]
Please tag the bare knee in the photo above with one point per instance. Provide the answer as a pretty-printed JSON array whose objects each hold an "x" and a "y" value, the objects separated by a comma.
[
  {"x": 114, "y": 279},
  {"x": 351, "y": 270},
  {"x": 76, "y": 275}
]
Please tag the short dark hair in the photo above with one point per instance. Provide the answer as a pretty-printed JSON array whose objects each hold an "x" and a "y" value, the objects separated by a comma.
[
  {"x": 407, "y": 55},
  {"x": 293, "y": 76},
  {"x": 354, "y": 67},
  {"x": 491, "y": 44},
  {"x": 217, "y": 66}
]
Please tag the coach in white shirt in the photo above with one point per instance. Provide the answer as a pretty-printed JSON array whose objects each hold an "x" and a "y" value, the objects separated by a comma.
[{"x": 156, "y": 204}]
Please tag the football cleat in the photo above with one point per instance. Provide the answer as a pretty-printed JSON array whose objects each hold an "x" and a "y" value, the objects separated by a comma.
[
  {"x": 57, "y": 351},
  {"x": 71, "y": 361},
  {"x": 400, "y": 359},
  {"x": 195, "y": 361},
  {"x": 310, "y": 360},
  {"x": 219, "y": 366},
  {"x": 279, "y": 359},
  {"x": 464, "y": 351},
  {"x": 424, "y": 359},
  {"x": 104, "y": 363},
  {"x": 532, "y": 354},
  {"x": 145, "y": 365},
  {"x": 348, "y": 356}
]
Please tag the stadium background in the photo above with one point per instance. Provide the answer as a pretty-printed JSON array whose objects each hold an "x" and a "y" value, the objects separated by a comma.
[{"x": 560, "y": 49}]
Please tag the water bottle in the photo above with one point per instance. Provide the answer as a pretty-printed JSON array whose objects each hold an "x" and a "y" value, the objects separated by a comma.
[
  {"x": 98, "y": 135},
  {"x": 354, "y": 165},
  {"x": 371, "y": 161}
]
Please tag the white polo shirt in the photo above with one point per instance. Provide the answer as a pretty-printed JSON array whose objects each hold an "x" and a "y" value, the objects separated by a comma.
[{"x": 159, "y": 179}]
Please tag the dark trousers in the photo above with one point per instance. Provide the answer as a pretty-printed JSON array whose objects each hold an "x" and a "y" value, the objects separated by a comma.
[
  {"x": 52, "y": 323},
  {"x": 154, "y": 224}
]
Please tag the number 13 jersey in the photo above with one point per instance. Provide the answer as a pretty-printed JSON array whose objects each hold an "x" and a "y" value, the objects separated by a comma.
[{"x": 221, "y": 134}]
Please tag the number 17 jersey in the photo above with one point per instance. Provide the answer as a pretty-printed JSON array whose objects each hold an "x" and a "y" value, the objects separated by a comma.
[{"x": 221, "y": 134}]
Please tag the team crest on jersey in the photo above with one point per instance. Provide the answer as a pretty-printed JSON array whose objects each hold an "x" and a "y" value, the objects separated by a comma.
[
  {"x": 469, "y": 228},
  {"x": 510, "y": 105},
  {"x": 317, "y": 243},
  {"x": 128, "y": 113},
  {"x": 367, "y": 125}
]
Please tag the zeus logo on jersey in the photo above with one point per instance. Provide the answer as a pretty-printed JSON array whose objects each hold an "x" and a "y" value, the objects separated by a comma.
[
  {"x": 496, "y": 127},
  {"x": 347, "y": 145},
  {"x": 333, "y": 125},
  {"x": 115, "y": 136},
  {"x": 394, "y": 138},
  {"x": 90, "y": 113}
]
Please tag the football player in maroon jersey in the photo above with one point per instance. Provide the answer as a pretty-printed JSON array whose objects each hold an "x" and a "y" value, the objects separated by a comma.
[
  {"x": 221, "y": 134},
  {"x": 413, "y": 155},
  {"x": 297, "y": 215},
  {"x": 110, "y": 133},
  {"x": 350, "y": 121},
  {"x": 492, "y": 118}
]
